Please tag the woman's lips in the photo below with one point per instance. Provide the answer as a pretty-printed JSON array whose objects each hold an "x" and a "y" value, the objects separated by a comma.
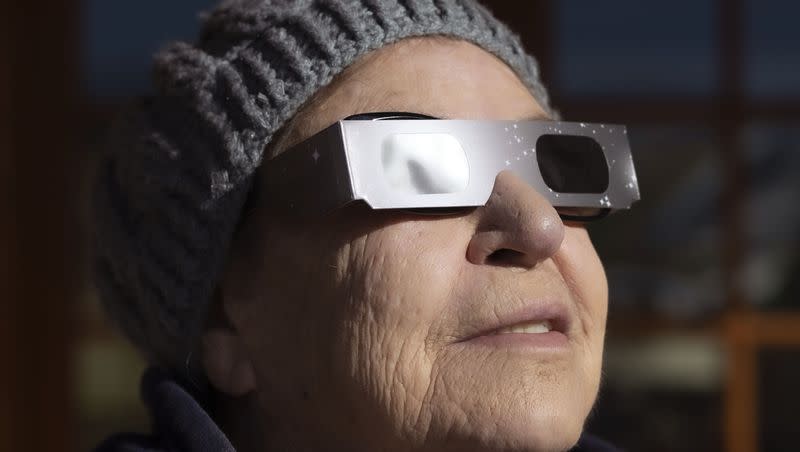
[
  {"x": 542, "y": 325},
  {"x": 532, "y": 327},
  {"x": 551, "y": 340}
]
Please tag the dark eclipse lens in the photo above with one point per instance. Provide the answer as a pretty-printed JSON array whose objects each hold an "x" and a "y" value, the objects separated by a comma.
[{"x": 572, "y": 164}]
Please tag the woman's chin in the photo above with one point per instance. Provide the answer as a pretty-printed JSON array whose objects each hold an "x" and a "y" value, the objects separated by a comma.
[
  {"x": 510, "y": 425},
  {"x": 541, "y": 432},
  {"x": 502, "y": 401},
  {"x": 528, "y": 433}
]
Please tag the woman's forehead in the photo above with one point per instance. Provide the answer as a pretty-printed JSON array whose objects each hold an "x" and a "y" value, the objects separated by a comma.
[{"x": 439, "y": 77}]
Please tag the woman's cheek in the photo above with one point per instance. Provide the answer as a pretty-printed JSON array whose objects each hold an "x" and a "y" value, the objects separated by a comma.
[
  {"x": 583, "y": 272},
  {"x": 399, "y": 288}
]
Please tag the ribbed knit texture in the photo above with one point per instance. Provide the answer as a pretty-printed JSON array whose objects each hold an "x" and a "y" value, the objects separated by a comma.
[{"x": 179, "y": 165}]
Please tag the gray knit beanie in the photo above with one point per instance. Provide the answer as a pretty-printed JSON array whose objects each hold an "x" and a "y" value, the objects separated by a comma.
[{"x": 170, "y": 189}]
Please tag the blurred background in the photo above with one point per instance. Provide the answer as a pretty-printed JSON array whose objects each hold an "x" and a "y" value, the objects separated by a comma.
[{"x": 703, "y": 345}]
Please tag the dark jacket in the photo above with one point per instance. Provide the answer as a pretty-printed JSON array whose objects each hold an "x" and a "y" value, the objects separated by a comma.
[{"x": 180, "y": 424}]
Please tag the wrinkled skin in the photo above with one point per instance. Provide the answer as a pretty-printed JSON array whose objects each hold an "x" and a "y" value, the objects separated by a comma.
[{"x": 348, "y": 333}]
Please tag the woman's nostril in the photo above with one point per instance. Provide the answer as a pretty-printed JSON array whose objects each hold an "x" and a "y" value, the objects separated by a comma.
[{"x": 503, "y": 256}]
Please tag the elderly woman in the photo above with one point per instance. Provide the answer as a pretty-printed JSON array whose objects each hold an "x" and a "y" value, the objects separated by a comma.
[{"x": 281, "y": 308}]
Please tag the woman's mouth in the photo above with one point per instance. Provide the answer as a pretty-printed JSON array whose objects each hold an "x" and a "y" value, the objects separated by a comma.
[
  {"x": 535, "y": 336},
  {"x": 533, "y": 327},
  {"x": 541, "y": 327}
]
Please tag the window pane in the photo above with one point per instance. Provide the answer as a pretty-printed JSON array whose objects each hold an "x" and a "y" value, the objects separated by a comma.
[
  {"x": 772, "y": 46},
  {"x": 772, "y": 215},
  {"x": 661, "y": 393},
  {"x": 778, "y": 398},
  {"x": 120, "y": 38},
  {"x": 633, "y": 47},
  {"x": 106, "y": 379},
  {"x": 663, "y": 256}
]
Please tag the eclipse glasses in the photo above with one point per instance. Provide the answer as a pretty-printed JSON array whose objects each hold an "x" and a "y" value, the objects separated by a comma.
[{"x": 411, "y": 161}]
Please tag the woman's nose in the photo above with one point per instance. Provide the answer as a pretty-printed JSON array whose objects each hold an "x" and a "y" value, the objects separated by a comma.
[{"x": 517, "y": 226}]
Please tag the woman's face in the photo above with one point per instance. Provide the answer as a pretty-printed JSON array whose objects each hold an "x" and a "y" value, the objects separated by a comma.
[{"x": 377, "y": 330}]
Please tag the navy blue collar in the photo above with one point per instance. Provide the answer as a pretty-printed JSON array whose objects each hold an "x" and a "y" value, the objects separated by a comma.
[{"x": 181, "y": 424}]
